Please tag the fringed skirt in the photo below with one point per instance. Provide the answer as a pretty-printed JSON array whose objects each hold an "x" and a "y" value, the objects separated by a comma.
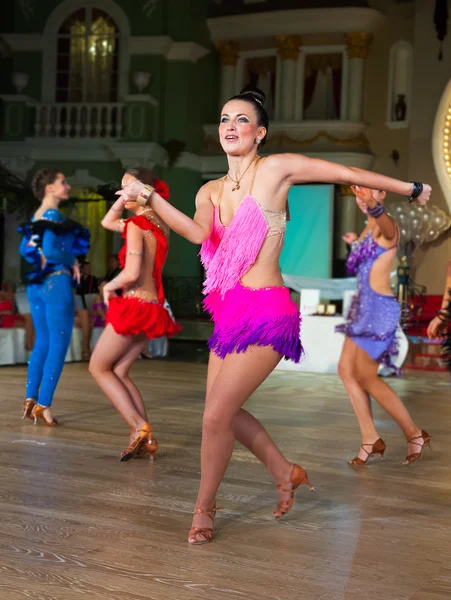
[
  {"x": 132, "y": 316},
  {"x": 372, "y": 322},
  {"x": 254, "y": 317}
]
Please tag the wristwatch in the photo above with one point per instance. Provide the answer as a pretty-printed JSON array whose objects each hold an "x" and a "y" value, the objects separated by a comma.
[{"x": 144, "y": 195}]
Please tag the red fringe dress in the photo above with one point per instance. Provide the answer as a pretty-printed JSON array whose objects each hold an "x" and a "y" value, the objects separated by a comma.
[{"x": 131, "y": 314}]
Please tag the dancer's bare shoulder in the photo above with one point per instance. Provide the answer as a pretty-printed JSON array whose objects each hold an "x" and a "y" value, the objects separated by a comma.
[{"x": 209, "y": 193}]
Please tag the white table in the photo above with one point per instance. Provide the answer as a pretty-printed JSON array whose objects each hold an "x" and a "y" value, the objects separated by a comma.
[{"x": 323, "y": 346}]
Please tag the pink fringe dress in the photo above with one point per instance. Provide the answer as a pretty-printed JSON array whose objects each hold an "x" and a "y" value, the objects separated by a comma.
[{"x": 246, "y": 316}]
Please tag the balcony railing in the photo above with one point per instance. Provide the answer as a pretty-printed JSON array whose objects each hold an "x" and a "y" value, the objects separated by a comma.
[{"x": 79, "y": 121}]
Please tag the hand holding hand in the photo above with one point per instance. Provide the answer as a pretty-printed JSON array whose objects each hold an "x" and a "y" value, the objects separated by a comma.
[{"x": 131, "y": 191}]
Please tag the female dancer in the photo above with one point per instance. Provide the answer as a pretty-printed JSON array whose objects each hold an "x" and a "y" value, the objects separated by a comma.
[
  {"x": 371, "y": 330},
  {"x": 240, "y": 221},
  {"x": 439, "y": 326},
  {"x": 51, "y": 244},
  {"x": 136, "y": 316}
]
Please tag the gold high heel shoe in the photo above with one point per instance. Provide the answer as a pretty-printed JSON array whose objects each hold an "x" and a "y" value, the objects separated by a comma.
[
  {"x": 38, "y": 413},
  {"x": 416, "y": 455},
  {"x": 377, "y": 448},
  {"x": 150, "y": 448},
  {"x": 205, "y": 533},
  {"x": 27, "y": 408},
  {"x": 142, "y": 443},
  {"x": 298, "y": 477}
]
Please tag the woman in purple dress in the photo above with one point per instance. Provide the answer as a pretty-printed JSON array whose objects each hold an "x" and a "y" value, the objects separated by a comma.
[{"x": 371, "y": 330}]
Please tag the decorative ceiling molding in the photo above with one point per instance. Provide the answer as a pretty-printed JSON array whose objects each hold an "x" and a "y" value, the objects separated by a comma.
[
  {"x": 300, "y": 21},
  {"x": 155, "y": 45},
  {"x": 80, "y": 151},
  {"x": 24, "y": 42},
  {"x": 163, "y": 45}
]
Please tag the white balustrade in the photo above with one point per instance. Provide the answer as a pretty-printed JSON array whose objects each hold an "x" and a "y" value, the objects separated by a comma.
[{"x": 78, "y": 121}]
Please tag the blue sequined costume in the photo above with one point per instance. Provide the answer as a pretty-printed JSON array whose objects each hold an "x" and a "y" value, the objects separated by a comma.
[
  {"x": 49, "y": 292},
  {"x": 373, "y": 317}
]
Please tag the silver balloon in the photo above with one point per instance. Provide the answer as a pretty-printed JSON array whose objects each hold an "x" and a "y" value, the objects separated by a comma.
[
  {"x": 432, "y": 235},
  {"x": 418, "y": 239},
  {"x": 415, "y": 224}
]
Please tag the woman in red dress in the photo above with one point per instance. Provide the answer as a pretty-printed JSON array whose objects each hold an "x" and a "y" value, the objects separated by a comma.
[{"x": 137, "y": 315}]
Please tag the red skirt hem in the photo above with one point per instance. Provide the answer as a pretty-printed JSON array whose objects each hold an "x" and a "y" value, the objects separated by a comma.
[{"x": 132, "y": 316}]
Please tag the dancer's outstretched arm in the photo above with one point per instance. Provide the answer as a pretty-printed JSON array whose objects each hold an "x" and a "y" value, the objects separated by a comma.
[
  {"x": 439, "y": 324},
  {"x": 295, "y": 168},
  {"x": 197, "y": 229}
]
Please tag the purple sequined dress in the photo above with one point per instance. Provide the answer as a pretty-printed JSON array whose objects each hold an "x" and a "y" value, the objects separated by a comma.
[{"x": 373, "y": 317}]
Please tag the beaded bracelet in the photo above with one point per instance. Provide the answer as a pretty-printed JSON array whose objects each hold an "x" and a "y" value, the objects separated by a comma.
[{"x": 376, "y": 211}]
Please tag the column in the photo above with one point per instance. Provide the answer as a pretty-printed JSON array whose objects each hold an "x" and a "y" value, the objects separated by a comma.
[
  {"x": 229, "y": 52},
  {"x": 289, "y": 48},
  {"x": 358, "y": 45},
  {"x": 346, "y": 211}
]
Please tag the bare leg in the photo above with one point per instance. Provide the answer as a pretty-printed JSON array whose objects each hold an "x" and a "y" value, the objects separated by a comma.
[
  {"x": 251, "y": 434},
  {"x": 122, "y": 371},
  {"x": 360, "y": 400},
  {"x": 386, "y": 397},
  {"x": 109, "y": 350},
  {"x": 237, "y": 377}
]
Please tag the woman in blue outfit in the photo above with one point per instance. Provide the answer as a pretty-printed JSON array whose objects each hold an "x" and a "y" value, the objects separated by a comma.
[
  {"x": 371, "y": 329},
  {"x": 51, "y": 244}
]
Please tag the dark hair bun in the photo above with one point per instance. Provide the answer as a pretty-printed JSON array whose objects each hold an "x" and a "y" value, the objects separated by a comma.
[{"x": 255, "y": 93}]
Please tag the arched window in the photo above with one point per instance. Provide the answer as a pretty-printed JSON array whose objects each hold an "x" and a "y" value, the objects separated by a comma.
[{"x": 87, "y": 67}]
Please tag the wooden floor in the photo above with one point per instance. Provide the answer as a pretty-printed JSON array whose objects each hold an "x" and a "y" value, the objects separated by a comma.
[{"x": 75, "y": 523}]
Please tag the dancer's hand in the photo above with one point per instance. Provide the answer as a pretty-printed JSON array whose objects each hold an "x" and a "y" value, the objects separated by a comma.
[
  {"x": 364, "y": 194},
  {"x": 131, "y": 191},
  {"x": 76, "y": 272},
  {"x": 350, "y": 238},
  {"x": 425, "y": 195},
  {"x": 437, "y": 328},
  {"x": 109, "y": 290}
]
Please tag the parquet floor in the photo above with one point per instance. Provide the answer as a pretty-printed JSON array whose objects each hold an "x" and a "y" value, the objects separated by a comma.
[{"x": 75, "y": 523}]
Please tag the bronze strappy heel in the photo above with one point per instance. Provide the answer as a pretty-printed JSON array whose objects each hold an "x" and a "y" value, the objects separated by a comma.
[
  {"x": 377, "y": 448},
  {"x": 298, "y": 477},
  {"x": 150, "y": 448},
  {"x": 38, "y": 414},
  {"x": 202, "y": 535},
  {"x": 27, "y": 408},
  {"x": 143, "y": 442},
  {"x": 416, "y": 455}
]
